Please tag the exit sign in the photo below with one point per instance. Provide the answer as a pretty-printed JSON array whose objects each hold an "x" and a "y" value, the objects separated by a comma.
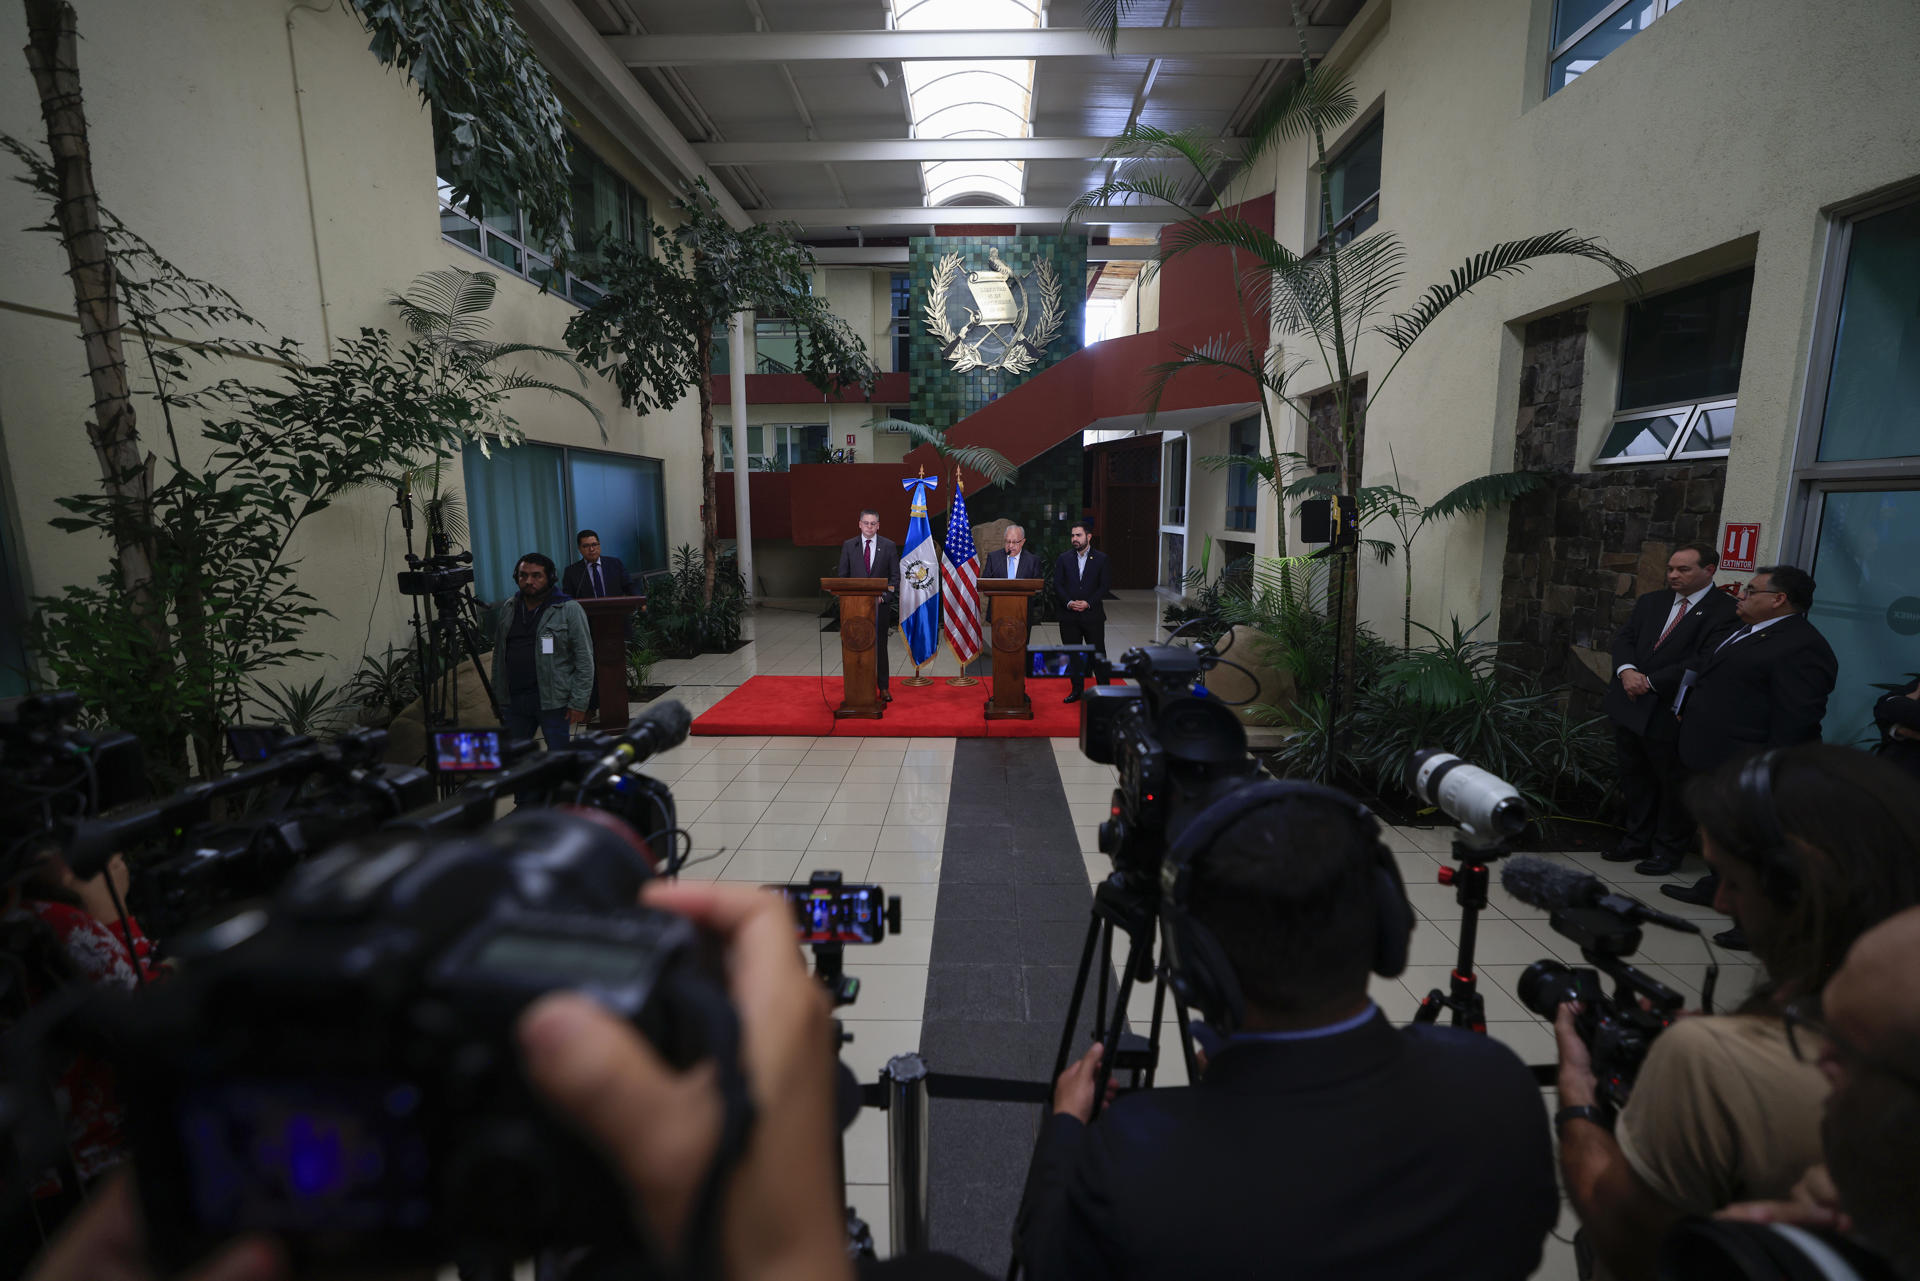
[{"x": 1739, "y": 545}]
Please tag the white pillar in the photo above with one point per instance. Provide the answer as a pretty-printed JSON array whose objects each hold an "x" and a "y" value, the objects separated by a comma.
[{"x": 738, "y": 354}]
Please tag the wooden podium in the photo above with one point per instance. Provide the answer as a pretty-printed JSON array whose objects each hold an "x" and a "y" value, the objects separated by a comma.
[
  {"x": 607, "y": 619},
  {"x": 859, "y": 638},
  {"x": 1007, "y": 606}
]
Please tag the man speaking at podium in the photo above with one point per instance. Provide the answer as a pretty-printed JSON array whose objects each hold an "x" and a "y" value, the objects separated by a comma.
[{"x": 869, "y": 555}]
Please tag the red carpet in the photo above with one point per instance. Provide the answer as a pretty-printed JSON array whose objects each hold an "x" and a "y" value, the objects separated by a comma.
[{"x": 803, "y": 706}]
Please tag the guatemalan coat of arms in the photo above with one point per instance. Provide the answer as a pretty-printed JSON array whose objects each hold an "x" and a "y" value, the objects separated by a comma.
[{"x": 992, "y": 318}]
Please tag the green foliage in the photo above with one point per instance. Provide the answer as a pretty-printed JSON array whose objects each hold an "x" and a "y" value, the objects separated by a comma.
[
  {"x": 678, "y": 623},
  {"x": 318, "y": 709},
  {"x": 990, "y": 464},
  {"x": 505, "y": 138},
  {"x": 640, "y": 661},
  {"x": 385, "y": 683}
]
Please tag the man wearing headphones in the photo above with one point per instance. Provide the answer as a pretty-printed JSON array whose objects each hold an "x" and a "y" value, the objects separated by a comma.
[{"x": 1322, "y": 1140}]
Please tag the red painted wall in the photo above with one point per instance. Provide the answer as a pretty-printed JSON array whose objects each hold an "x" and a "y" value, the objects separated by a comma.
[
  {"x": 818, "y": 504},
  {"x": 794, "y": 389}
]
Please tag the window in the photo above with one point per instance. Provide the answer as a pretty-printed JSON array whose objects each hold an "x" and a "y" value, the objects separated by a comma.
[
  {"x": 1243, "y": 441},
  {"x": 1680, "y": 372},
  {"x": 605, "y": 206},
  {"x": 970, "y": 99},
  {"x": 1175, "y": 486},
  {"x": 900, "y": 329},
  {"x": 532, "y": 498},
  {"x": 776, "y": 446},
  {"x": 1353, "y": 184},
  {"x": 1857, "y": 475},
  {"x": 1585, "y": 31},
  {"x": 776, "y": 345},
  {"x": 1173, "y": 512}
]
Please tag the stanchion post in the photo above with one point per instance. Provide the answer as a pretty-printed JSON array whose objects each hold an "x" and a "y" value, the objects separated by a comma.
[{"x": 907, "y": 1120}]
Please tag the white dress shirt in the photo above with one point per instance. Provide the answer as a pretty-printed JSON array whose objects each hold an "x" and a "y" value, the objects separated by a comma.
[{"x": 1688, "y": 602}]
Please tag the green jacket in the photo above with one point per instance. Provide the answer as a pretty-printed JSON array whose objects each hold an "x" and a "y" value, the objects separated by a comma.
[{"x": 566, "y": 674}]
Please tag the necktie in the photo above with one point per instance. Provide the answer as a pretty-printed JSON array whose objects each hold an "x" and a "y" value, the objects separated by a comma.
[
  {"x": 1679, "y": 612},
  {"x": 869, "y": 543},
  {"x": 599, "y": 587},
  {"x": 1731, "y": 639}
]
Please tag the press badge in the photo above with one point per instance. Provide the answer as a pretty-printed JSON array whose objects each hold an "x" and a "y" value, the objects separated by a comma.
[{"x": 546, "y": 644}]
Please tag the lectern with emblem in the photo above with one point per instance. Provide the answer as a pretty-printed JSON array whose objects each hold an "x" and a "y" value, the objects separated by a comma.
[
  {"x": 1006, "y": 603},
  {"x": 859, "y": 641}
]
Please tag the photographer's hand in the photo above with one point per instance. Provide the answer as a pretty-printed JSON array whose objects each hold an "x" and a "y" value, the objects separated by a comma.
[
  {"x": 105, "y": 1241},
  {"x": 1578, "y": 1086},
  {"x": 1073, "y": 1092},
  {"x": 781, "y": 1215},
  {"x": 1815, "y": 1203}
]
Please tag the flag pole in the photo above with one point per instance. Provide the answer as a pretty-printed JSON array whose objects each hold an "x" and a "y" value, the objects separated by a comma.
[
  {"x": 962, "y": 679},
  {"x": 916, "y": 680}
]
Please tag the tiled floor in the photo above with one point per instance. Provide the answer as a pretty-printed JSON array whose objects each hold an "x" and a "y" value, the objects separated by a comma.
[{"x": 773, "y": 809}]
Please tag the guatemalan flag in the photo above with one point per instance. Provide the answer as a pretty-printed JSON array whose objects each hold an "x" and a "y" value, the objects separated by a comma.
[{"x": 920, "y": 576}]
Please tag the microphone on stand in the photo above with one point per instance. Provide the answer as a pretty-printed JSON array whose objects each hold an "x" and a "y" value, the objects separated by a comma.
[{"x": 1540, "y": 883}]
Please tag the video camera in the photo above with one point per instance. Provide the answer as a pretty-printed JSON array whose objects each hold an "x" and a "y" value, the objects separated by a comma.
[
  {"x": 1619, "y": 1029},
  {"x": 1176, "y": 747},
  {"x": 432, "y": 575},
  {"x": 54, "y": 774}
]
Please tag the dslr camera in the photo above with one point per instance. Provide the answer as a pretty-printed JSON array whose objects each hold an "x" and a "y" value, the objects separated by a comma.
[{"x": 1176, "y": 747}]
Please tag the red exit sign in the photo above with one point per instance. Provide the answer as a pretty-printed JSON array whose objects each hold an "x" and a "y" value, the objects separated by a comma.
[{"x": 1739, "y": 546}]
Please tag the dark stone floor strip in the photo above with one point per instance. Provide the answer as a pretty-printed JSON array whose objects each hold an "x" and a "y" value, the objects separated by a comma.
[{"x": 1008, "y": 927}]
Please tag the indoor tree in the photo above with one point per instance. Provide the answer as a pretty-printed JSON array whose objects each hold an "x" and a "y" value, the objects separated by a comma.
[{"x": 652, "y": 331}]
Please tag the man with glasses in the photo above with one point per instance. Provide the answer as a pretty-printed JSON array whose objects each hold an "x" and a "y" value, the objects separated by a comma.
[{"x": 1765, "y": 685}]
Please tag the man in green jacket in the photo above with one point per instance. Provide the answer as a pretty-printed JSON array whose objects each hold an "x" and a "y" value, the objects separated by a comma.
[{"x": 542, "y": 656}]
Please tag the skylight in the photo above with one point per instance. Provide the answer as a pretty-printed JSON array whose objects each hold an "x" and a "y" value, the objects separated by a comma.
[{"x": 970, "y": 99}]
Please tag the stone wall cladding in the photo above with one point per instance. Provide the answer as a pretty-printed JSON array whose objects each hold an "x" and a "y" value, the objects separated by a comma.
[{"x": 1581, "y": 550}]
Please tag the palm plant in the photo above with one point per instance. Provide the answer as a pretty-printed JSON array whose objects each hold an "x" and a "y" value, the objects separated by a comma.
[
  {"x": 990, "y": 464},
  {"x": 1326, "y": 301},
  {"x": 315, "y": 709}
]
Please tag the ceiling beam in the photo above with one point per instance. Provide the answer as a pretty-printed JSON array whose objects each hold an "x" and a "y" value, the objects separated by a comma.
[
  {"x": 865, "y": 149},
  {"x": 896, "y": 255},
  {"x": 732, "y": 48},
  {"x": 969, "y": 215}
]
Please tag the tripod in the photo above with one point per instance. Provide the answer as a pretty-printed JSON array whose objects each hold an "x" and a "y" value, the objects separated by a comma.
[
  {"x": 443, "y": 642},
  {"x": 1118, "y": 906},
  {"x": 1469, "y": 881}
]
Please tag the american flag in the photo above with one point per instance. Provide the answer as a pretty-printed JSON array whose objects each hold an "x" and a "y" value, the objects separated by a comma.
[{"x": 960, "y": 581}]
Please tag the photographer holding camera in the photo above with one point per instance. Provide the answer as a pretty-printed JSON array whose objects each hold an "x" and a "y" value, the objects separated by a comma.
[
  {"x": 660, "y": 1128},
  {"x": 1814, "y": 845},
  {"x": 1321, "y": 1141}
]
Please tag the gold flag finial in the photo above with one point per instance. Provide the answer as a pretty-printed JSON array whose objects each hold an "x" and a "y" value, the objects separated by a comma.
[
  {"x": 923, "y": 471},
  {"x": 956, "y": 478}
]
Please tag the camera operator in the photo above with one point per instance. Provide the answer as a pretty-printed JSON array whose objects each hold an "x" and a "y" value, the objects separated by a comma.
[
  {"x": 1814, "y": 845},
  {"x": 542, "y": 656},
  {"x": 1321, "y": 1141},
  {"x": 780, "y": 1215}
]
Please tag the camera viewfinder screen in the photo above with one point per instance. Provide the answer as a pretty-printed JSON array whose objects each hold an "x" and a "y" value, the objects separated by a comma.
[
  {"x": 1058, "y": 662},
  {"x": 837, "y": 914},
  {"x": 310, "y": 1155},
  {"x": 466, "y": 751}
]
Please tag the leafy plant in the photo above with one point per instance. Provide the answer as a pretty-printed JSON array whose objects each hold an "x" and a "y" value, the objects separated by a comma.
[
  {"x": 679, "y": 624},
  {"x": 317, "y": 708},
  {"x": 385, "y": 683},
  {"x": 504, "y": 137},
  {"x": 652, "y": 331},
  {"x": 640, "y": 661},
  {"x": 992, "y": 466}
]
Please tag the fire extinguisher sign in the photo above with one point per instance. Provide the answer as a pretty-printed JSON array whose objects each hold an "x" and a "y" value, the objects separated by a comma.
[{"x": 1739, "y": 545}]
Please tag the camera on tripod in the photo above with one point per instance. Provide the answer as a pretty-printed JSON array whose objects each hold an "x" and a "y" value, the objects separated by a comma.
[
  {"x": 55, "y": 774},
  {"x": 432, "y": 575}
]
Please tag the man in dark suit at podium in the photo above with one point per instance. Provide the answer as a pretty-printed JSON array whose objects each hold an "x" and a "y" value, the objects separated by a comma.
[
  {"x": 1080, "y": 579},
  {"x": 869, "y": 555},
  {"x": 1669, "y": 631},
  {"x": 1014, "y": 561},
  {"x": 594, "y": 574}
]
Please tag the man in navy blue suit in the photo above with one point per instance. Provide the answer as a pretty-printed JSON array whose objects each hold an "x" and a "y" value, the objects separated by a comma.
[
  {"x": 1080, "y": 579},
  {"x": 594, "y": 574}
]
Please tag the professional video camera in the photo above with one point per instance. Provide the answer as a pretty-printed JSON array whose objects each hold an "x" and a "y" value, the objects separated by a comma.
[
  {"x": 54, "y": 774},
  {"x": 1177, "y": 748},
  {"x": 1617, "y": 1029},
  {"x": 432, "y": 575},
  {"x": 340, "y": 1069}
]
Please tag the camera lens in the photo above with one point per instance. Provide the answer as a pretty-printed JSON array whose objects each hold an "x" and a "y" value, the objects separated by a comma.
[{"x": 1545, "y": 986}]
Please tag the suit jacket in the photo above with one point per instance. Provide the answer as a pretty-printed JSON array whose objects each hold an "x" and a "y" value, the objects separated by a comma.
[
  {"x": 1069, "y": 585},
  {"x": 573, "y": 579},
  {"x": 886, "y": 564},
  {"x": 1700, "y": 629},
  {"x": 1765, "y": 690},
  {"x": 1384, "y": 1153},
  {"x": 1029, "y": 567}
]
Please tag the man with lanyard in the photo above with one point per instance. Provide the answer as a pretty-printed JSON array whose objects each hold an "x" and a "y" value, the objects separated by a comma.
[{"x": 542, "y": 657}]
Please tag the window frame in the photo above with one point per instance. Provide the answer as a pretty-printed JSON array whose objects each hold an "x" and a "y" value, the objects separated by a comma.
[
  {"x": 1239, "y": 474},
  {"x": 1661, "y": 8},
  {"x": 1673, "y": 453},
  {"x": 1347, "y": 226},
  {"x": 1170, "y": 580}
]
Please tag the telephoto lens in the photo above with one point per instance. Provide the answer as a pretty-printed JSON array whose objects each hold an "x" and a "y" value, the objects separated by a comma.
[{"x": 1545, "y": 986}]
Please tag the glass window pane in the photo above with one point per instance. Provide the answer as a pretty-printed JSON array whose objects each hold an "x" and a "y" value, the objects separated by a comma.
[
  {"x": 1607, "y": 37},
  {"x": 504, "y": 252},
  {"x": 1713, "y": 429},
  {"x": 1873, "y": 393},
  {"x": 1243, "y": 439},
  {"x": 1175, "y": 482},
  {"x": 623, "y": 499},
  {"x": 1867, "y": 564},
  {"x": 461, "y": 229},
  {"x": 515, "y": 504},
  {"x": 1643, "y": 437},
  {"x": 1571, "y": 15},
  {"x": 1687, "y": 344},
  {"x": 1173, "y": 560},
  {"x": 1355, "y": 175}
]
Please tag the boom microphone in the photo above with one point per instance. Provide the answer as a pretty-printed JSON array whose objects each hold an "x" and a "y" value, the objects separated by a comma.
[
  {"x": 1537, "y": 882},
  {"x": 664, "y": 725}
]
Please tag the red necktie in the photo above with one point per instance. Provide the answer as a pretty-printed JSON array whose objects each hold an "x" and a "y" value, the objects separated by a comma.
[
  {"x": 869, "y": 554},
  {"x": 1679, "y": 612}
]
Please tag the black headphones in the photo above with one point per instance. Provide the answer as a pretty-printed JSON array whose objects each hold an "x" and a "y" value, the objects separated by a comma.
[
  {"x": 1197, "y": 966},
  {"x": 1779, "y": 872}
]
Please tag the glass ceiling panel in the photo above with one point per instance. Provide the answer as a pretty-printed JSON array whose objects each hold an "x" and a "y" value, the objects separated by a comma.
[{"x": 962, "y": 98}]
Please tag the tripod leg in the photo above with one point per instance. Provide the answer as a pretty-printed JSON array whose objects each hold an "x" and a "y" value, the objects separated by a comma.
[
  {"x": 1153, "y": 1036},
  {"x": 1181, "y": 1013},
  {"x": 1111, "y": 1038},
  {"x": 1079, "y": 993},
  {"x": 1106, "y": 971}
]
